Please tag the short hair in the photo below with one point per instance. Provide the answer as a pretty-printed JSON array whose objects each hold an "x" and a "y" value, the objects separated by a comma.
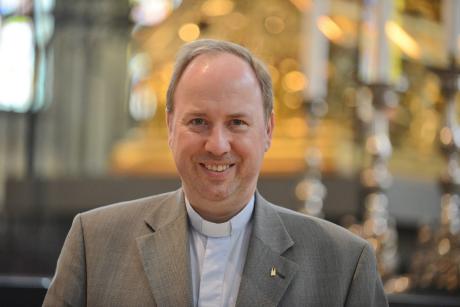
[{"x": 204, "y": 46}]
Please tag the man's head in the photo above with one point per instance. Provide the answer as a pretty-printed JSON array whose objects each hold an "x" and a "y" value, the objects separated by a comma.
[{"x": 220, "y": 125}]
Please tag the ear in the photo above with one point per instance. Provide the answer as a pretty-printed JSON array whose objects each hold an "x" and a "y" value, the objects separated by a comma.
[
  {"x": 169, "y": 123},
  {"x": 269, "y": 131}
]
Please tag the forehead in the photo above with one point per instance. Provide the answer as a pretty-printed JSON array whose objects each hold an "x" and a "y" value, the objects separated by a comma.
[
  {"x": 218, "y": 64},
  {"x": 218, "y": 77}
]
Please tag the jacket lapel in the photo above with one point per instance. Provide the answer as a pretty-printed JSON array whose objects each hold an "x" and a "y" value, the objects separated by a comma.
[
  {"x": 164, "y": 253},
  {"x": 269, "y": 240}
]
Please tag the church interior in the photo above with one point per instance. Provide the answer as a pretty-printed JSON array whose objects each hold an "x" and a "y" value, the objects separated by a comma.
[{"x": 366, "y": 98}]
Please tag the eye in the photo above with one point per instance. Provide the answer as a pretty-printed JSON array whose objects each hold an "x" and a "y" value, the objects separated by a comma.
[
  {"x": 237, "y": 122},
  {"x": 197, "y": 122},
  {"x": 238, "y": 125}
]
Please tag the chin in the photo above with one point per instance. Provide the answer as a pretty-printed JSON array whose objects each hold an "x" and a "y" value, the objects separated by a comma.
[
  {"x": 216, "y": 195},
  {"x": 211, "y": 190}
]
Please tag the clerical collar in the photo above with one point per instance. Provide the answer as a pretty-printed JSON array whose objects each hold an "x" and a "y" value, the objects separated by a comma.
[{"x": 224, "y": 229}]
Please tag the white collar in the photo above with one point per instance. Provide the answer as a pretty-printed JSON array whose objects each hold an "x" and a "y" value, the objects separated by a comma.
[{"x": 224, "y": 229}]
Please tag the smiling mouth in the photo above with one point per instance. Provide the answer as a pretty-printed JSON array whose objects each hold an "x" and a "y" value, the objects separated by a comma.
[{"x": 219, "y": 168}]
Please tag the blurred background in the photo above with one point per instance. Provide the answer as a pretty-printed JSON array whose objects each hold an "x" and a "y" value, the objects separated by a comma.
[{"x": 367, "y": 136}]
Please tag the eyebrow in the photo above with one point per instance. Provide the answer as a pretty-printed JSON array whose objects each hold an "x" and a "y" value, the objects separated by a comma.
[
  {"x": 203, "y": 114},
  {"x": 239, "y": 114},
  {"x": 195, "y": 113}
]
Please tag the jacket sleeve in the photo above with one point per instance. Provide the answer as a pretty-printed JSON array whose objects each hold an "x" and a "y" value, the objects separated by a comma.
[
  {"x": 68, "y": 287},
  {"x": 366, "y": 287}
]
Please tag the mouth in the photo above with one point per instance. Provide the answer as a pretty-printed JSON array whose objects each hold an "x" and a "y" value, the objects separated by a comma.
[{"x": 218, "y": 168}]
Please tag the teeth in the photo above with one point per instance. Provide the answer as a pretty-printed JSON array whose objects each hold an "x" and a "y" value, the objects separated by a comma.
[{"x": 217, "y": 167}]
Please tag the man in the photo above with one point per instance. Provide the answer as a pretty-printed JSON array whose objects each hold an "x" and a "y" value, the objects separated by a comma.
[{"x": 215, "y": 241}]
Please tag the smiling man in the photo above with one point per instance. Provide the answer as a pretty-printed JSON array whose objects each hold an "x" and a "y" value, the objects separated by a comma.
[
  {"x": 219, "y": 132},
  {"x": 215, "y": 241}
]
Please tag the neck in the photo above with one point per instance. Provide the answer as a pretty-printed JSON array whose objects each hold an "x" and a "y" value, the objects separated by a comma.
[
  {"x": 215, "y": 217},
  {"x": 218, "y": 211}
]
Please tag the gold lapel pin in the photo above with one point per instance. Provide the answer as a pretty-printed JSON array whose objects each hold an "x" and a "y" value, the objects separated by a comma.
[{"x": 273, "y": 272}]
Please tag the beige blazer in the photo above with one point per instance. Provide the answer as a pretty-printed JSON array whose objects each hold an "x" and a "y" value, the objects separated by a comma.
[{"x": 136, "y": 254}]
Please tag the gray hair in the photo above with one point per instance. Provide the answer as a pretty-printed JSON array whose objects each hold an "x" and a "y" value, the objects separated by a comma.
[{"x": 191, "y": 50}]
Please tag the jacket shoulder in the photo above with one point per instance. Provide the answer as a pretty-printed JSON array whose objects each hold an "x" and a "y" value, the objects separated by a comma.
[
  {"x": 129, "y": 207},
  {"x": 324, "y": 233},
  {"x": 127, "y": 215},
  {"x": 341, "y": 265}
]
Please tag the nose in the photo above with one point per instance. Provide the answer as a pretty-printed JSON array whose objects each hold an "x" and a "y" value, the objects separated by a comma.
[{"x": 218, "y": 142}]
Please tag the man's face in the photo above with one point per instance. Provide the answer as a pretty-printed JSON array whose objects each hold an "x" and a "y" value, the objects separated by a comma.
[{"x": 218, "y": 134}]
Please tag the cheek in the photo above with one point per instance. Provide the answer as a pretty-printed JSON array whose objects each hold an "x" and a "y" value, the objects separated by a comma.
[
  {"x": 250, "y": 149},
  {"x": 185, "y": 145}
]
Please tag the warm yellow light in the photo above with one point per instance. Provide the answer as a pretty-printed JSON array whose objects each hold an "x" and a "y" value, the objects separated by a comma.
[
  {"x": 301, "y": 190},
  {"x": 374, "y": 243},
  {"x": 162, "y": 36},
  {"x": 236, "y": 21},
  {"x": 444, "y": 246},
  {"x": 288, "y": 64},
  {"x": 292, "y": 101},
  {"x": 294, "y": 81},
  {"x": 330, "y": 29},
  {"x": 274, "y": 73},
  {"x": 274, "y": 24},
  {"x": 402, "y": 39},
  {"x": 302, "y": 5},
  {"x": 402, "y": 284},
  {"x": 215, "y": 8},
  {"x": 296, "y": 127},
  {"x": 166, "y": 71},
  {"x": 189, "y": 32},
  {"x": 428, "y": 129},
  {"x": 445, "y": 136},
  {"x": 346, "y": 24}
]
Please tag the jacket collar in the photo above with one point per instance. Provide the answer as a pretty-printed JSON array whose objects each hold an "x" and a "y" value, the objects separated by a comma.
[
  {"x": 267, "y": 273},
  {"x": 164, "y": 252},
  {"x": 165, "y": 255}
]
